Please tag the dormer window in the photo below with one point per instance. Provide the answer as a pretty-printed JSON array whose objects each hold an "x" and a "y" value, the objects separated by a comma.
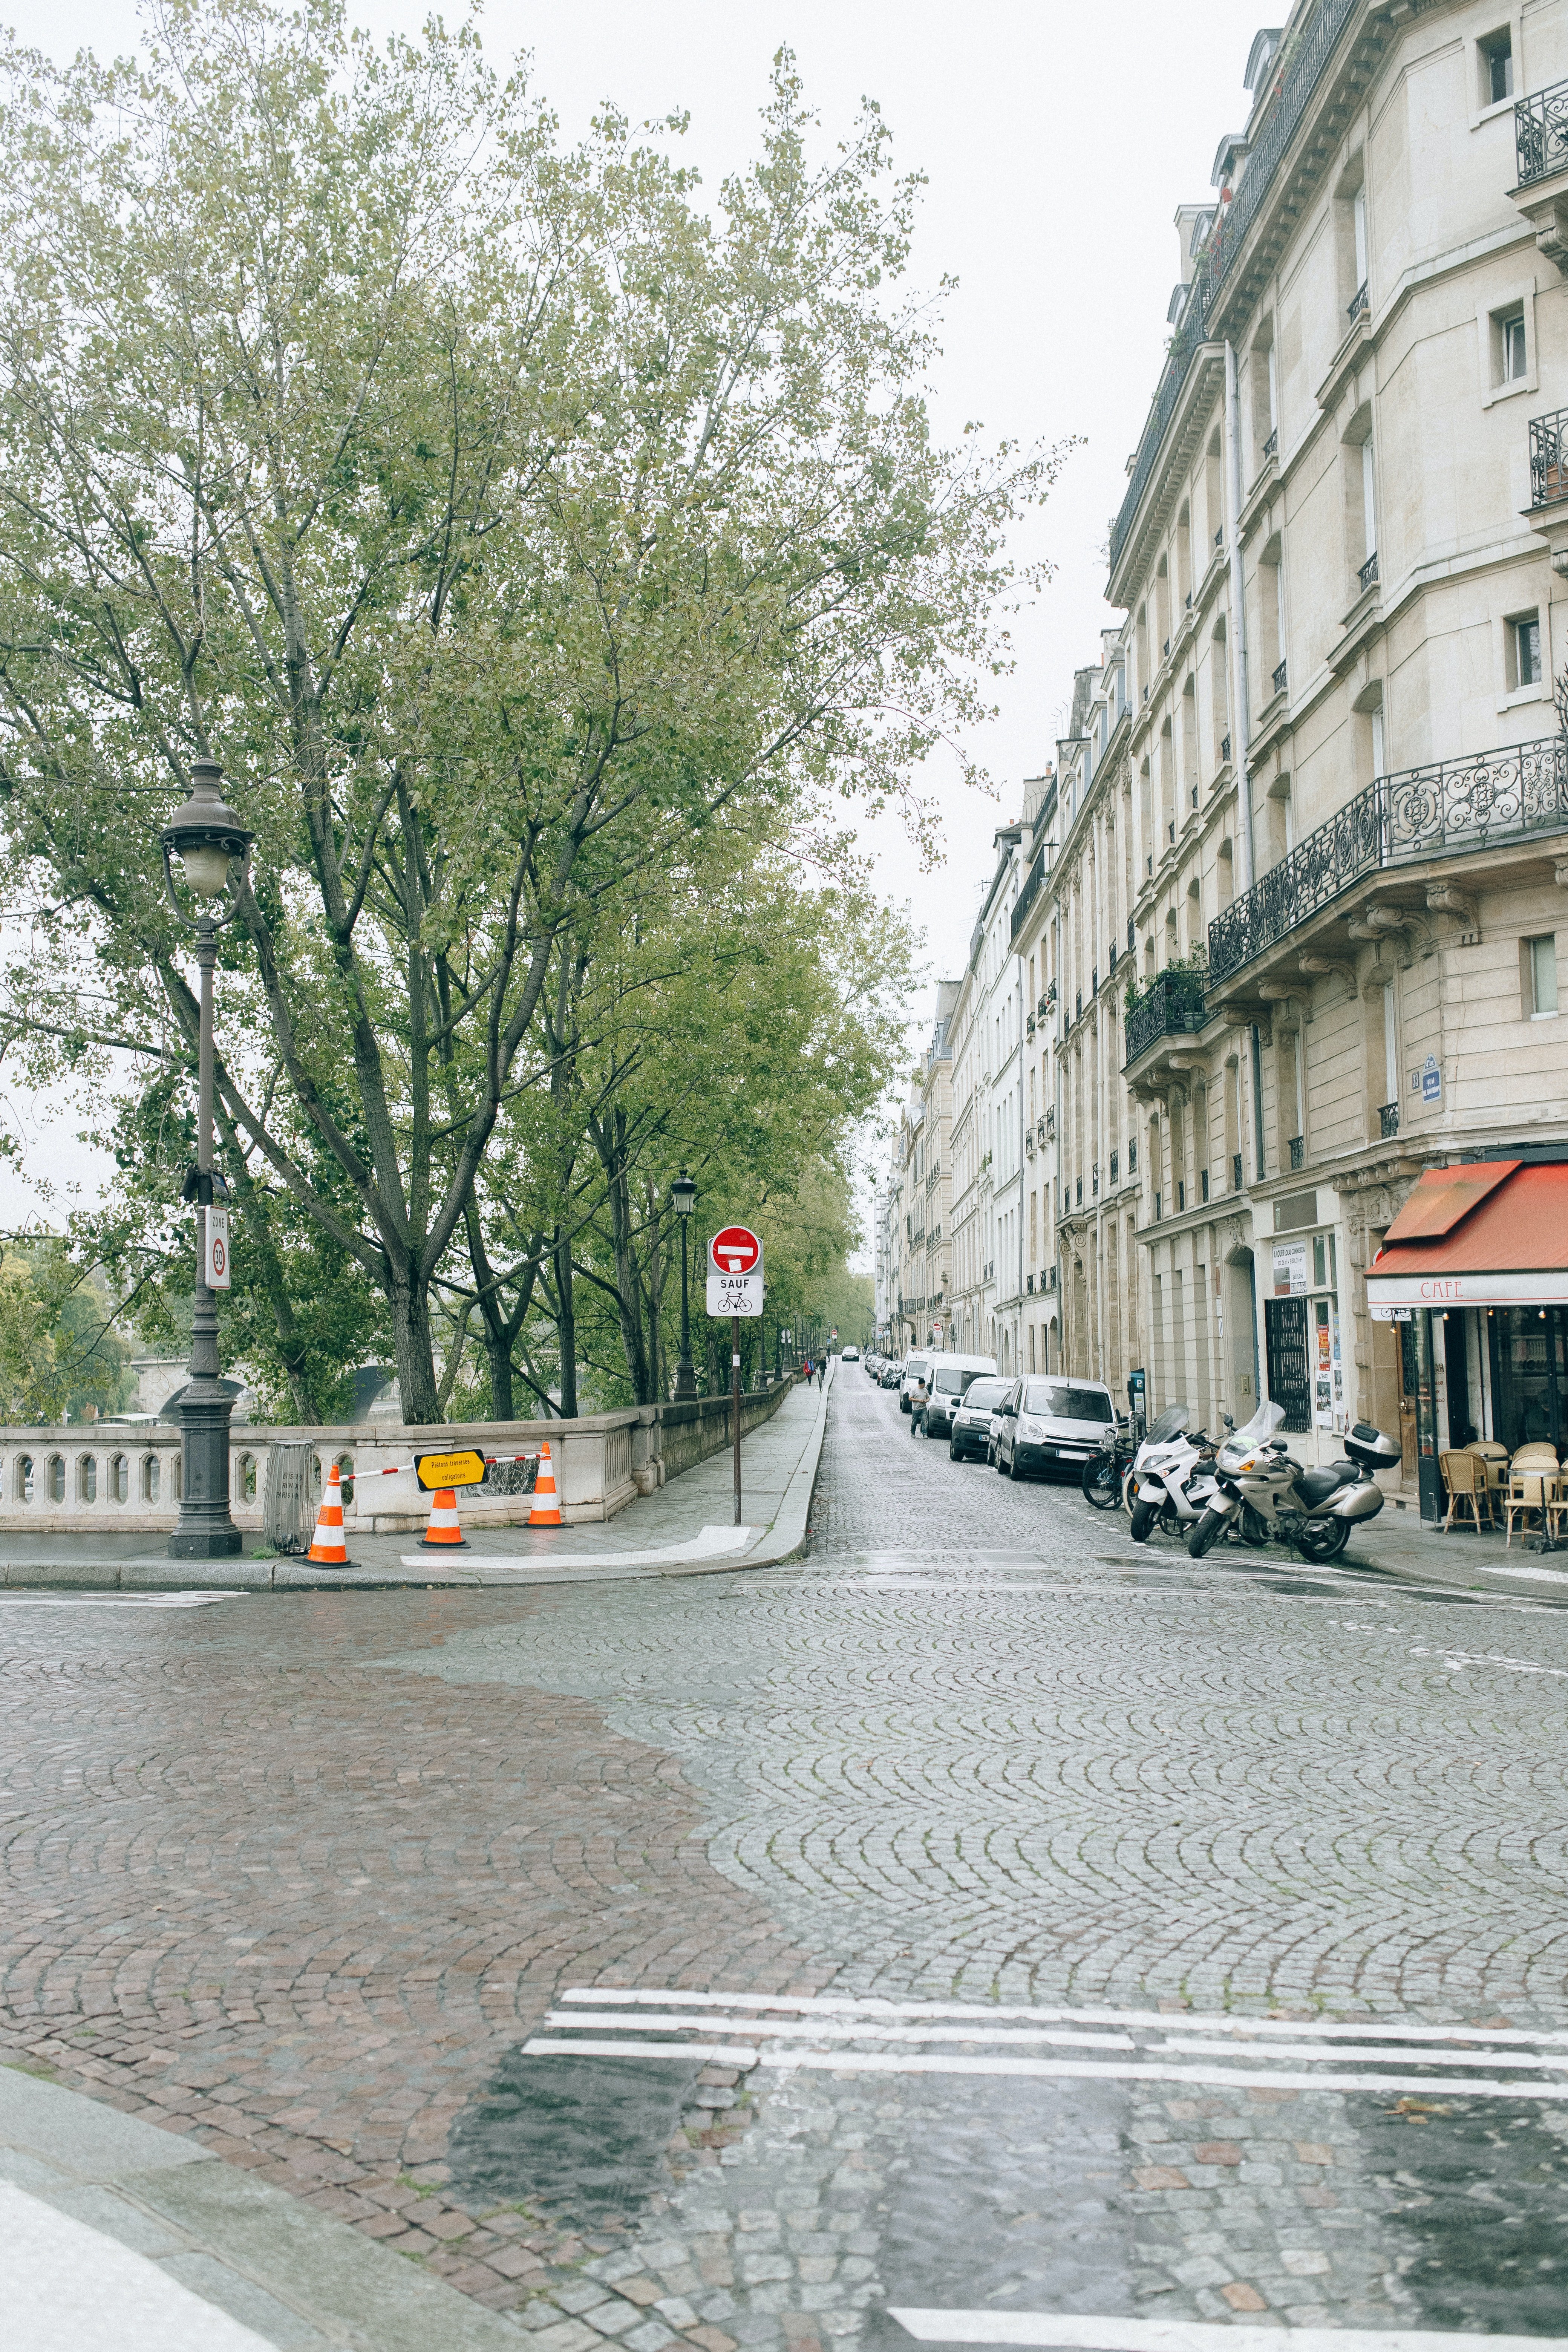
[{"x": 1259, "y": 58}]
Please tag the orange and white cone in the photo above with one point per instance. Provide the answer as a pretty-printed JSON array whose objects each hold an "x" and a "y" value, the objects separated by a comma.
[
  {"x": 329, "y": 1549},
  {"x": 444, "y": 1526},
  {"x": 546, "y": 1511}
]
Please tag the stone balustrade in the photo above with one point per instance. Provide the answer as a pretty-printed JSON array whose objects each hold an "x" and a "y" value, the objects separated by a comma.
[{"x": 103, "y": 1477}]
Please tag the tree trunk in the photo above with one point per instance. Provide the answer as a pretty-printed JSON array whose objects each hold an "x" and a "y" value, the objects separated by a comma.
[
  {"x": 414, "y": 1353},
  {"x": 566, "y": 1323}
]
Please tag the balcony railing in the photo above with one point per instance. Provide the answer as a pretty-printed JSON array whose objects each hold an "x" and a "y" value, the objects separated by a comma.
[
  {"x": 1171, "y": 1007},
  {"x": 1367, "y": 572},
  {"x": 1388, "y": 1119},
  {"x": 1225, "y": 747},
  {"x": 1281, "y": 677},
  {"x": 1358, "y": 302},
  {"x": 1541, "y": 133},
  {"x": 1421, "y": 812},
  {"x": 1298, "y": 1152},
  {"x": 1311, "y": 51},
  {"x": 1235, "y": 1171},
  {"x": 1549, "y": 458},
  {"x": 1028, "y": 894},
  {"x": 1271, "y": 446}
]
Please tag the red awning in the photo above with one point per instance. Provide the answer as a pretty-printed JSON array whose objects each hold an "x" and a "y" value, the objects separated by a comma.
[{"x": 1492, "y": 1234}]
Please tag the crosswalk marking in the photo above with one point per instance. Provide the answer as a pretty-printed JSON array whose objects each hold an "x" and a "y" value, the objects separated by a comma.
[{"x": 825, "y": 2034}]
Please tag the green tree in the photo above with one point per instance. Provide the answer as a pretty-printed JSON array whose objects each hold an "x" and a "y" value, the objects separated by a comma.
[{"x": 501, "y": 523}]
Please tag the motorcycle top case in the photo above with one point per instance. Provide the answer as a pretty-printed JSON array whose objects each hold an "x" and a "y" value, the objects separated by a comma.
[{"x": 1370, "y": 1449}]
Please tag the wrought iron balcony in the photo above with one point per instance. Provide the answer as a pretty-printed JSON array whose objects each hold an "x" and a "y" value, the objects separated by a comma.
[
  {"x": 1421, "y": 812},
  {"x": 1541, "y": 133},
  {"x": 1114, "y": 1161},
  {"x": 1281, "y": 677},
  {"x": 1271, "y": 446},
  {"x": 1549, "y": 458},
  {"x": 1219, "y": 536},
  {"x": 1367, "y": 572},
  {"x": 1298, "y": 1152},
  {"x": 1050, "y": 1125},
  {"x": 1131, "y": 934},
  {"x": 1172, "y": 1006},
  {"x": 1235, "y": 1171},
  {"x": 1028, "y": 894},
  {"x": 1388, "y": 1119},
  {"x": 1225, "y": 747},
  {"x": 1358, "y": 302}
]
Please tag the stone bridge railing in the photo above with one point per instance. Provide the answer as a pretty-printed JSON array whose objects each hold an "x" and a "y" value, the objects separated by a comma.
[{"x": 103, "y": 1477}]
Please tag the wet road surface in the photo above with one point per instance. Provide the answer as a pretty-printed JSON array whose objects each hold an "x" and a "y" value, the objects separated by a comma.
[{"x": 1083, "y": 1935}]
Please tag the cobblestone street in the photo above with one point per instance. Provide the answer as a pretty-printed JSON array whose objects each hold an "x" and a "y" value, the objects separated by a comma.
[{"x": 1057, "y": 1824}]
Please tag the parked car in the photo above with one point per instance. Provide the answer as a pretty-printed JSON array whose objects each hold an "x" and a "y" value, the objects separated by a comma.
[
  {"x": 975, "y": 1420},
  {"x": 1048, "y": 1423},
  {"x": 916, "y": 1367},
  {"x": 890, "y": 1371},
  {"x": 949, "y": 1377}
]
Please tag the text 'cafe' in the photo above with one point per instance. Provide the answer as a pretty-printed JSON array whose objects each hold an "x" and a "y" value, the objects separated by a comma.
[{"x": 1474, "y": 1270}]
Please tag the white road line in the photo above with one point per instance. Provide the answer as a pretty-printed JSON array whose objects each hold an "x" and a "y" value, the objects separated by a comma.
[
  {"x": 1054, "y": 2070},
  {"x": 807, "y": 2030},
  {"x": 1166, "y": 2020},
  {"x": 718, "y": 2053},
  {"x": 1365, "y": 2057},
  {"x": 1098, "y": 2332},
  {"x": 113, "y": 1600}
]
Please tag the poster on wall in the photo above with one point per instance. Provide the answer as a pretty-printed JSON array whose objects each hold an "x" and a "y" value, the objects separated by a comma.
[{"x": 1290, "y": 1269}]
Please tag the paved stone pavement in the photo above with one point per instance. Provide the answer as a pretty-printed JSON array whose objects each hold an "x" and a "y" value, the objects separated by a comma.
[{"x": 303, "y": 1874}]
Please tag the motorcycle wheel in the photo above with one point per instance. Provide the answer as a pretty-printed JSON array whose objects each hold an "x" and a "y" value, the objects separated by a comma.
[
  {"x": 1324, "y": 1540},
  {"x": 1206, "y": 1535},
  {"x": 1143, "y": 1517},
  {"x": 1101, "y": 1486}
]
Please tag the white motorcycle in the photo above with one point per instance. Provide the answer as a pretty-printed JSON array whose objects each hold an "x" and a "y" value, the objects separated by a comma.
[
  {"x": 1171, "y": 1483},
  {"x": 1261, "y": 1490}
]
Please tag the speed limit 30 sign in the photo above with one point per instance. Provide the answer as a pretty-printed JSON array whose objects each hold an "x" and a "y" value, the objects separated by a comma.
[{"x": 735, "y": 1271}]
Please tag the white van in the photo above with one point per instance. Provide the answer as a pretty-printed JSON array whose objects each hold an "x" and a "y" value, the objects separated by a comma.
[
  {"x": 948, "y": 1381},
  {"x": 916, "y": 1368}
]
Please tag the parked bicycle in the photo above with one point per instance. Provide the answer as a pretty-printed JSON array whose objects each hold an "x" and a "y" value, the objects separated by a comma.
[{"x": 1105, "y": 1473}]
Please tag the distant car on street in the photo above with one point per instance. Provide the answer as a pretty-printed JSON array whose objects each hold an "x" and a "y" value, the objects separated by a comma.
[
  {"x": 951, "y": 1376},
  {"x": 975, "y": 1420},
  {"x": 1050, "y": 1423},
  {"x": 850, "y": 1355}
]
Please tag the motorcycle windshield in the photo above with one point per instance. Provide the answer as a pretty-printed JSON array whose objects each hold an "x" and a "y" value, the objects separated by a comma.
[
  {"x": 1171, "y": 1423},
  {"x": 1259, "y": 1429}
]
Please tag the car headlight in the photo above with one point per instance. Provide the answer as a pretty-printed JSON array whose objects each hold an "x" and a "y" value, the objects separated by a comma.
[{"x": 1031, "y": 1430}]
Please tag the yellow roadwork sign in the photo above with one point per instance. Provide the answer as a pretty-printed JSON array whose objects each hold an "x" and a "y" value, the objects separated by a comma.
[{"x": 465, "y": 1469}]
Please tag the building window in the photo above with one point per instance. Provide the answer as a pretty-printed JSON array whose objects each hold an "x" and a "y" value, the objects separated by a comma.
[
  {"x": 1496, "y": 67},
  {"x": 1523, "y": 651},
  {"x": 1511, "y": 350},
  {"x": 1541, "y": 976}
]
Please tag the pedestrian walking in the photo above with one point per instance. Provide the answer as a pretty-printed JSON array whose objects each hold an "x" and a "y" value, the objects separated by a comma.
[
  {"x": 917, "y": 1398},
  {"x": 822, "y": 1371}
]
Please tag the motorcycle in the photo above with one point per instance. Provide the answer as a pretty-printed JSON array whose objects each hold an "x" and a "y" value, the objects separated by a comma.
[
  {"x": 1172, "y": 1478},
  {"x": 1259, "y": 1487},
  {"x": 1105, "y": 1473}
]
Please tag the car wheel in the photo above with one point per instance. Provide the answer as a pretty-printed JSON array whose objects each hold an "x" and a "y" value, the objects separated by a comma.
[
  {"x": 1014, "y": 1471},
  {"x": 952, "y": 1453},
  {"x": 1001, "y": 1465}
]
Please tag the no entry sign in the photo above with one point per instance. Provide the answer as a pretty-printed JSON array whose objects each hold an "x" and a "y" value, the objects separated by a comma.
[{"x": 735, "y": 1271}]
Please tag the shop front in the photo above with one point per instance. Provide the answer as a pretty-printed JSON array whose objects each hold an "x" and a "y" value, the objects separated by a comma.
[{"x": 1474, "y": 1270}]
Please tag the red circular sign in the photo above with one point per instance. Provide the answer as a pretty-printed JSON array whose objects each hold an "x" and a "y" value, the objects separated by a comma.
[{"x": 736, "y": 1250}]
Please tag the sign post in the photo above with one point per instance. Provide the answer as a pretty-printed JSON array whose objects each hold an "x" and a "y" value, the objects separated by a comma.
[{"x": 735, "y": 1289}]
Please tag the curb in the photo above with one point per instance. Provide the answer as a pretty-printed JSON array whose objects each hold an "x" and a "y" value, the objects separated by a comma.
[{"x": 780, "y": 1540}]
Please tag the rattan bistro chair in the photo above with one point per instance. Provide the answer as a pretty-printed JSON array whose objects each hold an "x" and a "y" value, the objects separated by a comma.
[
  {"x": 1465, "y": 1477},
  {"x": 1532, "y": 1494}
]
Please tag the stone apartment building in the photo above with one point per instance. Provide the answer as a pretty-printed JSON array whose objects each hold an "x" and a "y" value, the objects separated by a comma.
[
  {"x": 921, "y": 1192},
  {"x": 1306, "y": 917}
]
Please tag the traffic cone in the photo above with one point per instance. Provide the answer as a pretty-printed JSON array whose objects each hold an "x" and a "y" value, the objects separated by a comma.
[
  {"x": 329, "y": 1549},
  {"x": 546, "y": 1511},
  {"x": 444, "y": 1528}
]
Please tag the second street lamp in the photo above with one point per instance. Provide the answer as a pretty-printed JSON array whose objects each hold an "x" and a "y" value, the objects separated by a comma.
[
  {"x": 206, "y": 836},
  {"x": 683, "y": 1192}
]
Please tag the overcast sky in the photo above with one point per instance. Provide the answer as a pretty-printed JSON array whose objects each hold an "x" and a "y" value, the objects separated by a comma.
[{"x": 1057, "y": 141}]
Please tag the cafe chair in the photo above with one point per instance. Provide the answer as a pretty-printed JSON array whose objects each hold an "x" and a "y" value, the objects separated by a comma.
[
  {"x": 1465, "y": 1477},
  {"x": 1532, "y": 1494}
]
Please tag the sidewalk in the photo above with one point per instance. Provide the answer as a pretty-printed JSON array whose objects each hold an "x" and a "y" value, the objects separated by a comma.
[
  {"x": 118, "y": 2237},
  {"x": 685, "y": 1529},
  {"x": 1397, "y": 1544}
]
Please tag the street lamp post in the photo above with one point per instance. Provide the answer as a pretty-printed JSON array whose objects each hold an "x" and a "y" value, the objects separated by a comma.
[
  {"x": 206, "y": 836},
  {"x": 683, "y": 1192}
]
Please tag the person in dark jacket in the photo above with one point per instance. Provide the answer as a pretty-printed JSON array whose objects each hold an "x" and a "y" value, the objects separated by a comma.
[{"x": 919, "y": 1397}]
